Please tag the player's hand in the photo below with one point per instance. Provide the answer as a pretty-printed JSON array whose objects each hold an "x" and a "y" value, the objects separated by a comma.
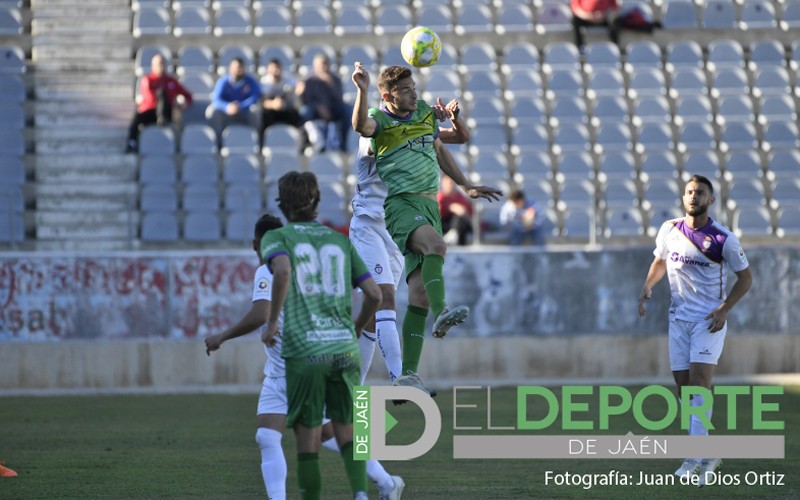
[
  {"x": 485, "y": 192},
  {"x": 213, "y": 342},
  {"x": 268, "y": 337},
  {"x": 718, "y": 318},
  {"x": 360, "y": 77},
  {"x": 453, "y": 109},
  {"x": 644, "y": 296},
  {"x": 439, "y": 110}
]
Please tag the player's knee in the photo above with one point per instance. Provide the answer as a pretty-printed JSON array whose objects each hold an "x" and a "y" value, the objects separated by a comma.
[
  {"x": 438, "y": 247},
  {"x": 387, "y": 302},
  {"x": 268, "y": 438}
]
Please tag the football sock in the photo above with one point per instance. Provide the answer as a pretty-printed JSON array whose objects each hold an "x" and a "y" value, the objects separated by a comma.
[
  {"x": 389, "y": 341},
  {"x": 375, "y": 471},
  {"x": 433, "y": 281},
  {"x": 696, "y": 427},
  {"x": 413, "y": 337},
  {"x": 366, "y": 346},
  {"x": 309, "y": 477},
  {"x": 356, "y": 469},
  {"x": 273, "y": 463}
]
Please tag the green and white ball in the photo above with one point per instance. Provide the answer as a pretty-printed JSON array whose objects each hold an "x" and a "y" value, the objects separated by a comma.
[{"x": 421, "y": 47}]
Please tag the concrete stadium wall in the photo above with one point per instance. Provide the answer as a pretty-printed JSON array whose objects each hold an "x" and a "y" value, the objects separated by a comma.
[{"x": 137, "y": 320}]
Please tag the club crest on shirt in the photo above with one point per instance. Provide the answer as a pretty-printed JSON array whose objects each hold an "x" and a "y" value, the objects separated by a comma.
[
  {"x": 707, "y": 242},
  {"x": 378, "y": 269}
]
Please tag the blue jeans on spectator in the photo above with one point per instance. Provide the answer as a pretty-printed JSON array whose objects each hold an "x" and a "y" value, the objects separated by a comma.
[{"x": 340, "y": 122}]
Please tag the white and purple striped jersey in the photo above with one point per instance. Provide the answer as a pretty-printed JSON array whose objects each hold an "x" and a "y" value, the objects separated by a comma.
[
  {"x": 262, "y": 290},
  {"x": 697, "y": 265},
  {"x": 371, "y": 192}
]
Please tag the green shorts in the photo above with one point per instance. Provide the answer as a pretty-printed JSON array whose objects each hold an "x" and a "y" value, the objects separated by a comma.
[
  {"x": 404, "y": 214},
  {"x": 321, "y": 383}
]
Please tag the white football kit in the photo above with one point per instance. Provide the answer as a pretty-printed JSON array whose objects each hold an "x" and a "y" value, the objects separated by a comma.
[
  {"x": 697, "y": 267},
  {"x": 273, "y": 391},
  {"x": 367, "y": 227}
]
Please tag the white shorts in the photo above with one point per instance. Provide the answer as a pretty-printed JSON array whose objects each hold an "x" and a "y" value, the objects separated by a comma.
[
  {"x": 691, "y": 342},
  {"x": 273, "y": 398},
  {"x": 379, "y": 252}
]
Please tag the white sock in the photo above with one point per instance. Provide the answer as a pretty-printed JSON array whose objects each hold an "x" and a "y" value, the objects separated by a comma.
[
  {"x": 331, "y": 445},
  {"x": 378, "y": 475},
  {"x": 696, "y": 428},
  {"x": 389, "y": 341},
  {"x": 375, "y": 471},
  {"x": 366, "y": 345},
  {"x": 273, "y": 463}
]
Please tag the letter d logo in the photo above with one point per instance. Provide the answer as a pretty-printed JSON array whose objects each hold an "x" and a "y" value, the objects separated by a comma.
[{"x": 380, "y": 422}]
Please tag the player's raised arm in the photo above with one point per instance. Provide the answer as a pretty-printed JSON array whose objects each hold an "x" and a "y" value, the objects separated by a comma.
[
  {"x": 451, "y": 169},
  {"x": 281, "y": 268},
  {"x": 657, "y": 271},
  {"x": 458, "y": 133},
  {"x": 362, "y": 122}
]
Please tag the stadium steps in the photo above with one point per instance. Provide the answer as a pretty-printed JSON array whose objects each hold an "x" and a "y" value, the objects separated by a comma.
[{"x": 85, "y": 185}]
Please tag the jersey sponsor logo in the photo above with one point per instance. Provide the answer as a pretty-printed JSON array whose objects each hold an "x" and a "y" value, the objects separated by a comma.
[
  {"x": 419, "y": 217},
  {"x": 324, "y": 322},
  {"x": 420, "y": 142},
  {"x": 676, "y": 257},
  {"x": 329, "y": 335},
  {"x": 378, "y": 269},
  {"x": 269, "y": 247},
  {"x": 741, "y": 255},
  {"x": 705, "y": 352}
]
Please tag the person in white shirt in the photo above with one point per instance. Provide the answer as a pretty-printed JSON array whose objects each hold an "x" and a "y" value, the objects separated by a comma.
[{"x": 696, "y": 252}]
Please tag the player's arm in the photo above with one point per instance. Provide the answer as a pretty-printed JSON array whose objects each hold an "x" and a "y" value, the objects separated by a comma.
[
  {"x": 458, "y": 133},
  {"x": 369, "y": 306},
  {"x": 744, "y": 280},
  {"x": 364, "y": 124},
  {"x": 255, "y": 318},
  {"x": 658, "y": 268},
  {"x": 281, "y": 268},
  {"x": 451, "y": 169}
]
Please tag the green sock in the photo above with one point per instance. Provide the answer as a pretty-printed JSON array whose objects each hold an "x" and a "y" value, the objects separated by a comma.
[
  {"x": 413, "y": 337},
  {"x": 356, "y": 470},
  {"x": 309, "y": 477},
  {"x": 433, "y": 281}
]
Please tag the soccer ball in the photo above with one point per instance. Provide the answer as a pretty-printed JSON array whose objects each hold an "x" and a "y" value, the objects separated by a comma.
[{"x": 421, "y": 47}]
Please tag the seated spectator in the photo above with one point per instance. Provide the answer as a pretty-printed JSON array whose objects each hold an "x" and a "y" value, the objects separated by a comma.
[
  {"x": 456, "y": 211},
  {"x": 594, "y": 13},
  {"x": 522, "y": 218},
  {"x": 159, "y": 94},
  {"x": 233, "y": 96},
  {"x": 278, "y": 90},
  {"x": 323, "y": 109}
]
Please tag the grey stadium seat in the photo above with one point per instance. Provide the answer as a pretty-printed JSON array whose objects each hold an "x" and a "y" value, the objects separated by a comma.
[
  {"x": 353, "y": 19},
  {"x": 680, "y": 15},
  {"x": 655, "y": 137},
  {"x": 158, "y": 198},
  {"x": 569, "y": 110},
  {"x": 244, "y": 198},
  {"x": 392, "y": 19},
  {"x": 618, "y": 165},
  {"x": 195, "y": 58},
  {"x": 614, "y": 137},
  {"x": 524, "y": 84},
  {"x": 478, "y": 56},
  {"x": 515, "y": 19},
  {"x": 528, "y": 111},
  {"x": 521, "y": 55},
  {"x": 239, "y": 140},
  {"x": 752, "y": 220},
  {"x": 575, "y": 165},
  {"x": 789, "y": 221},
  {"x": 785, "y": 162},
  {"x": 694, "y": 108},
  {"x": 474, "y": 19},
  {"x": 312, "y": 20},
  {"x": 767, "y": 53},
  {"x": 572, "y": 137},
  {"x": 757, "y": 14},
  {"x": 696, "y": 135},
  {"x": 156, "y": 141},
  {"x": 151, "y": 21},
  {"x": 719, "y": 14},
  {"x": 437, "y": 17},
  {"x": 565, "y": 83},
  {"x": 273, "y": 20},
  {"x": 644, "y": 54},
  {"x": 159, "y": 227},
  {"x": 198, "y": 139},
  {"x": 743, "y": 163},
  {"x": 739, "y": 135},
  {"x": 781, "y": 135},
  {"x": 603, "y": 55},
  {"x": 233, "y": 21},
  {"x": 200, "y": 169},
  {"x": 192, "y": 21},
  {"x": 561, "y": 56},
  {"x": 660, "y": 164},
  {"x": 554, "y": 17},
  {"x": 200, "y": 197},
  {"x": 685, "y": 53},
  {"x": 624, "y": 222},
  {"x": 606, "y": 82},
  {"x": 530, "y": 137},
  {"x": 652, "y": 108},
  {"x": 772, "y": 80},
  {"x": 647, "y": 81},
  {"x": 12, "y": 170},
  {"x": 242, "y": 169},
  {"x": 736, "y": 108},
  {"x": 12, "y": 60},
  {"x": 688, "y": 81},
  {"x": 156, "y": 169},
  {"x": 611, "y": 109},
  {"x": 534, "y": 165},
  {"x": 201, "y": 227},
  {"x": 483, "y": 84},
  {"x": 726, "y": 53}
]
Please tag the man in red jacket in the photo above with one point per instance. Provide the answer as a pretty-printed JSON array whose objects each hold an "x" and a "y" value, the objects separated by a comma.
[
  {"x": 158, "y": 94},
  {"x": 594, "y": 13}
]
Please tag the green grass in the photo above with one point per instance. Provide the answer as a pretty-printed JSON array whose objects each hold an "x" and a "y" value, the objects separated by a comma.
[{"x": 202, "y": 446}]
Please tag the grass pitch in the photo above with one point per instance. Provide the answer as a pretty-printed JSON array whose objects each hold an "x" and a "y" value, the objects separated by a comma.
[{"x": 203, "y": 446}]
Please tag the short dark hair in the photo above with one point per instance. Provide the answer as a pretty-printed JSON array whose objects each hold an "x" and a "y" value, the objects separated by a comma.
[
  {"x": 298, "y": 196},
  {"x": 516, "y": 194},
  {"x": 702, "y": 180},
  {"x": 274, "y": 61},
  {"x": 389, "y": 77},
  {"x": 266, "y": 223},
  {"x": 238, "y": 60}
]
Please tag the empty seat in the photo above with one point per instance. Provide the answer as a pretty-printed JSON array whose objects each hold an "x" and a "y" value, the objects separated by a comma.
[
  {"x": 746, "y": 163},
  {"x": 569, "y": 110},
  {"x": 606, "y": 82},
  {"x": 554, "y": 17},
  {"x": 719, "y": 14},
  {"x": 244, "y": 198},
  {"x": 474, "y": 19},
  {"x": 575, "y": 165},
  {"x": 787, "y": 191},
  {"x": 647, "y": 81},
  {"x": 239, "y": 140},
  {"x": 661, "y": 191},
  {"x": 195, "y": 59},
  {"x": 577, "y": 223},
  {"x": 660, "y": 164},
  {"x": 614, "y": 137},
  {"x": 12, "y": 170},
  {"x": 533, "y": 165},
  {"x": 739, "y": 135},
  {"x": 694, "y": 108},
  {"x": 242, "y": 169},
  {"x": 562, "y": 56},
  {"x": 392, "y": 19},
  {"x": 192, "y": 21},
  {"x": 528, "y": 111},
  {"x": 279, "y": 162},
  {"x": 201, "y": 227},
  {"x": 233, "y": 21},
  {"x": 695, "y": 135},
  {"x": 365, "y": 54},
  {"x": 487, "y": 110},
  {"x": 655, "y": 136},
  {"x": 618, "y": 165},
  {"x": 530, "y": 137},
  {"x": 489, "y": 165},
  {"x": 478, "y": 56},
  {"x": 515, "y": 19},
  {"x": 789, "y": 221},
  {"x": 202, "y": 169},
  {"x": 610, "y": 109},
  {"x": 272, "y": 20},
  {"x": 12, "y": 199},
  {"x": 725, "y": 53},
  {"x": 680, "y": 15},
  {"x": 158, "y": 198},
  {"x": 332, "y": 204},
  {"x": 652, "y": 108},
  {"x": 481, "y": 85},
  {"x": 643, "y": 55},
  {"x": 684, "y": 53},
  {"x": 577, "y": 193},
  {"x": 791, "y": 15},
  {"x": 767, "y": 53},
  {"x": 198, "y": 84},
  {"x": 239, "y": 225},
  {"x": 200, "y": 197},
  {"x": 198, "y": 139},
  {"x": 573, "y": 137},
  {"x": 565, "y": 83},
  {"x": 620, "y": 193},
  {"x": 12, "y": 227},
  {"x": 730, "y": 81},
  {"x": 772, "y": 80},
  {"x": 703, "y": 162},
  {"x": 13, "y": 116},
  {"x": 158, "y": 170},
  {"x": 159, "y": 227},
  {"x": 752, "y": 220},
  {"x": 151, "y": 21},
  {"x": 523, "y": 84},
  {"x": 328, "y": 167},
  {"x": 785, "y": 162},
  {"x": 489, "y": 137},
  {"x": 757, "y": 14},
  {"x": 736, "y": 108},
  {"x": 443, "y": 84},
  {"x": 521, "y": 56},
  {"x": 353, "y": 19},
  {"x": 603, "y": 54},
  {"x": 12, "y": 59},
  {"x": 312, "y": 20},
  {"x": 688, "y": 81},
  {"x": 623, "y": 222},
  {"x": 156, "y": 141},
  {"x": 437, "y": 17},
  {"x": 745, "y": 191}
]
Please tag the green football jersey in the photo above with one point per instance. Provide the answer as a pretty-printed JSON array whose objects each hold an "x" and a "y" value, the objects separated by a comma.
[
  {"x": 317, "y": 314},
  {"x": 405, "y": 157}
]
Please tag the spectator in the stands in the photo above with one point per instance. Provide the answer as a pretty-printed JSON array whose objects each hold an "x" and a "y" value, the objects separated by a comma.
[
  {"x": 278, "y": 91},
  {"x": 522, "y": 218},
  {"x": 456, "y": 210},
  {"x": 159, "y": 93},
  {"x": 233, "y": 97},
  {"x": 594, "y": 13},
  {"x": 326, "y": 116}
]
